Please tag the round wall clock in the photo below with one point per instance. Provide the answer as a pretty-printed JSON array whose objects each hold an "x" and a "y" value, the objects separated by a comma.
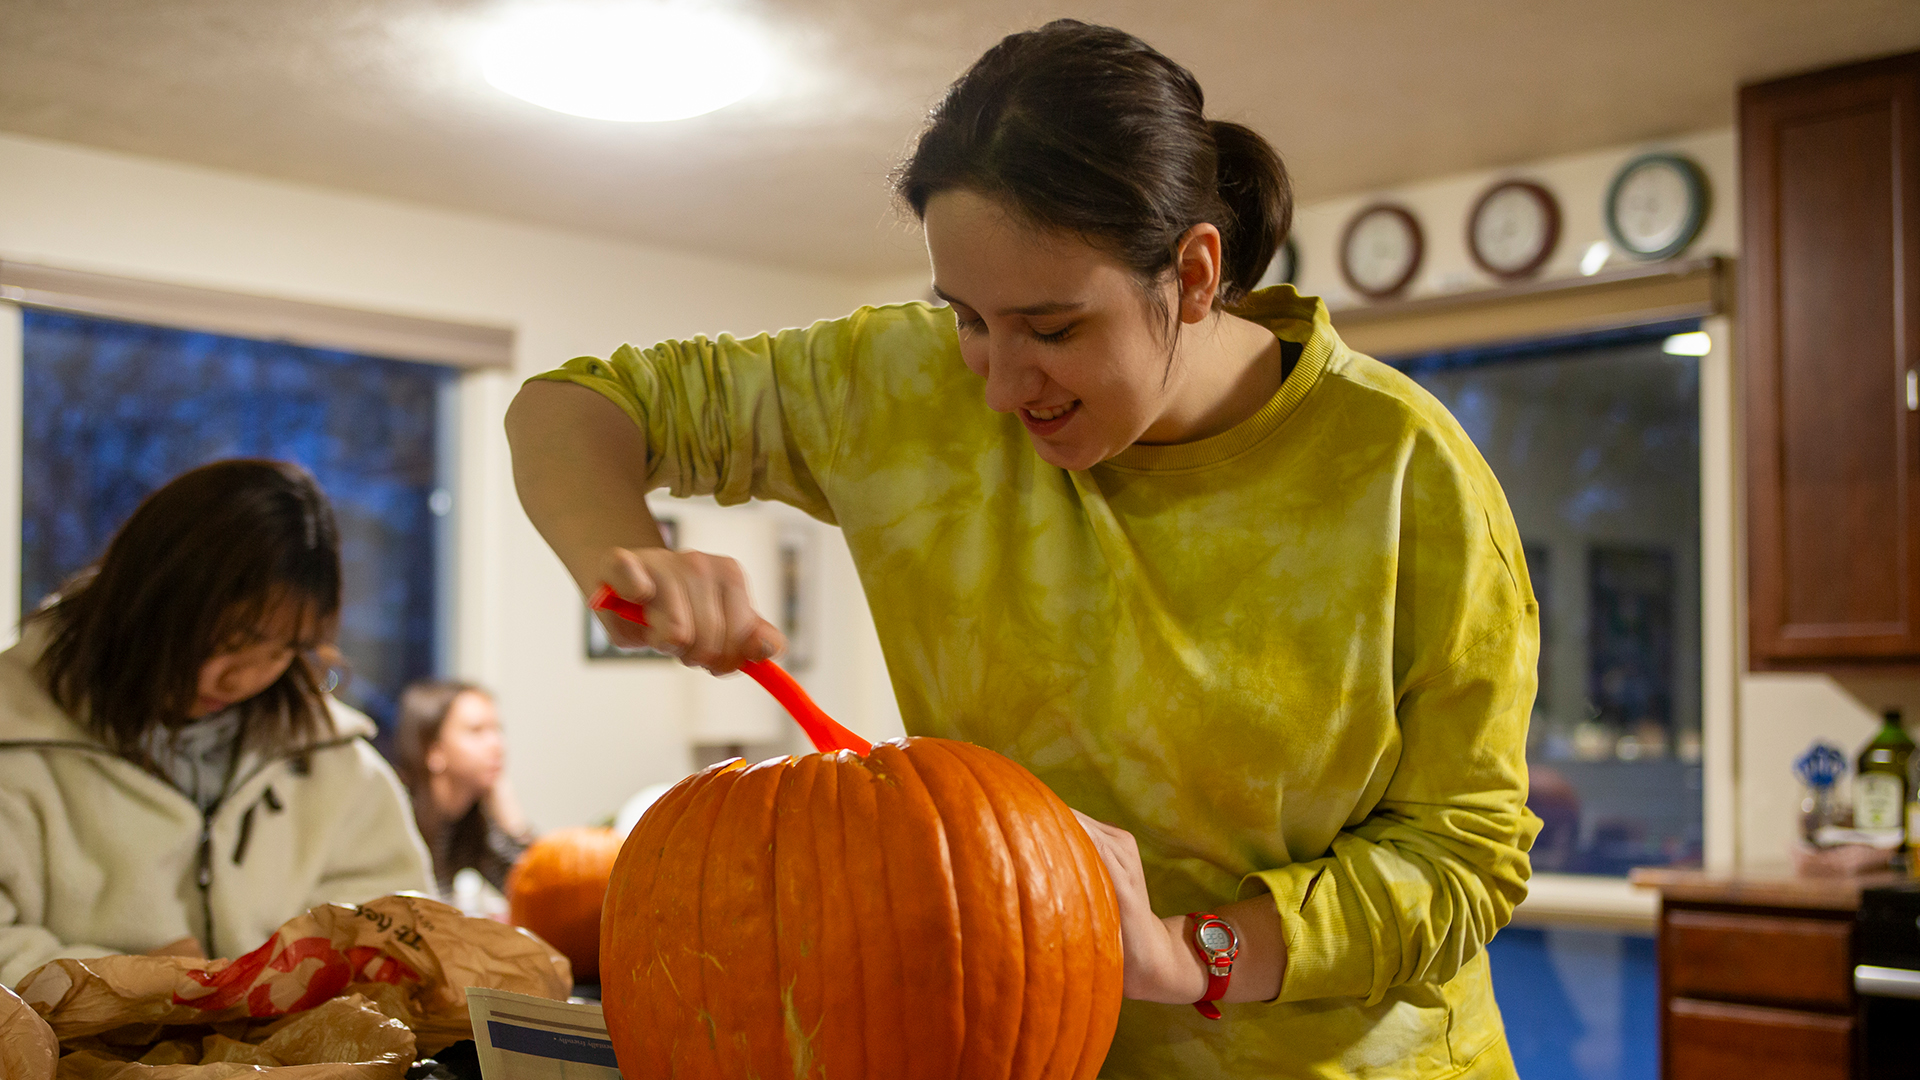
[
  {"x": 1380, "y": 250},
  {"x": 1656, "y": 205},
  {"x": 1283, "y": 268},
  {"x": 1513, "y": 228}
]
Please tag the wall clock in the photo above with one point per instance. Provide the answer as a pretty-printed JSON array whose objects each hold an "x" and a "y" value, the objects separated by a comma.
[
  {"x": 1513, "y": 228},
  {"x": 1380, "y": 250},
  {"x": 1656, "y": 205},
  {"x": 1284, "y": 267}
]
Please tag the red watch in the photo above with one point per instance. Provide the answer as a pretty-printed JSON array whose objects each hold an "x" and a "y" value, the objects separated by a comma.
[{"x": 1217, "y": 944}]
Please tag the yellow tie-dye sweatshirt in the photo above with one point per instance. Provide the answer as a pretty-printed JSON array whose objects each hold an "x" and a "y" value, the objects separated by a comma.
[{"x": 1295, "y": 657}]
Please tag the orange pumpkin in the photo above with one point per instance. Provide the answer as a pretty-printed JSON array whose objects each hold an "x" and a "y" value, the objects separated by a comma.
[
  {"x": 929, "y": 910},
  {"x": 556, "y": 887}
]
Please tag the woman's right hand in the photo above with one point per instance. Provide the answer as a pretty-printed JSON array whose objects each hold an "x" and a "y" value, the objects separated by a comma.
[{"x": 697, "y": 605}]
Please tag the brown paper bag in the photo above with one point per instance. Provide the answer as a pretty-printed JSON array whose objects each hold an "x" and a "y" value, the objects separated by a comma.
[
  {"x": 345, "y": 1038},
  {"x": 28, "y": 1049},
  {"x": 404, "y": 959}
]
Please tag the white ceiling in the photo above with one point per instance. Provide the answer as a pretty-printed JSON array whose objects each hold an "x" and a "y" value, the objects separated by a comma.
[{"x": 378, "y": 96}]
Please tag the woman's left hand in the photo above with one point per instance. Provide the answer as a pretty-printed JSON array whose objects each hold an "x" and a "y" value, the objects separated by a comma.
[{"x": 1160, "y": 965}]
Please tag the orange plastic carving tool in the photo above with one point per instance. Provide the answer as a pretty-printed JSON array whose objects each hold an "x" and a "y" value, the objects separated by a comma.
[{"x": 827, "y": 735}]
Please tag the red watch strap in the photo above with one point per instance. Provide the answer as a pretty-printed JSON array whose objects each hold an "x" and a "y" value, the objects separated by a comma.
[{"x": 1219, "y": 962}]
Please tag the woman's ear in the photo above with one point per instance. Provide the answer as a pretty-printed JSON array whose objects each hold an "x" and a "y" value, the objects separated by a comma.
[
  {"x": 1197, "y": 263},
  {"x": 436, "y": 760}
]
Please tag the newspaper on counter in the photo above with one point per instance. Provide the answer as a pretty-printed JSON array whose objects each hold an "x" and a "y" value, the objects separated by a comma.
[{"x": 521, "y": 1037}]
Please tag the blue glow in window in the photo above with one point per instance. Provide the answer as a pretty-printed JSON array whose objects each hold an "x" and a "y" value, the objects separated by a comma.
[
  {"x": 114, "y": 410},
  {"x": 1596, "y": 442}
]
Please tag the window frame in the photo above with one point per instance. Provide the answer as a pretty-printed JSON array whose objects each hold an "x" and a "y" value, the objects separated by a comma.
[
  {"x": 482, "y": 355},
  {"x": 1636, "y": 296}
]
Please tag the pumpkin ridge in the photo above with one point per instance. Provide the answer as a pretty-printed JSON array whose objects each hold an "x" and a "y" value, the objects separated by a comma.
[
  {"x": 884, "y": 991},
  {"x": 1104, "y": 969},
  {"x": 1045, "y": 980},
  {"x": 992, "y": 952},
  {"x": 737, "y": 926},
  {"x": 628, "y": 913},
  {"x": 680, "y": 919},
  {"x": 842, "y": 997},
  {"x": 1076, "y": 1005},
  {"x": 926, "y": 914},
  {"x": 797, "y": 911}
]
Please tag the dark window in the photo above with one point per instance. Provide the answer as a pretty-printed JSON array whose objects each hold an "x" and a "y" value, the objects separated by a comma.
[
  {"x": 113, "y": 410},
  {"x": 1596, "y": 441}
]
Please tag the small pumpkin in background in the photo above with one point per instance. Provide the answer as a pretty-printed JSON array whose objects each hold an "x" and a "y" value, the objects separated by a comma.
[
  {"x": 556, "y": 889},
  {"x": 928, "y": 910}
]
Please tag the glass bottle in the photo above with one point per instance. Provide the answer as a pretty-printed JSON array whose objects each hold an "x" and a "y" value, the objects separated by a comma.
[{"x": 1880, "y": 786}]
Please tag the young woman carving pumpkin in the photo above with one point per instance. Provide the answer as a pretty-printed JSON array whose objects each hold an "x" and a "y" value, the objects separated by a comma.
[
  {"x": 1249, "y": 601},
  {"x": 174, "y": 777}
]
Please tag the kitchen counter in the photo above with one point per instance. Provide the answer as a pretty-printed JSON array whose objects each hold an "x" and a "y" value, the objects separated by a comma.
[{"x": 1770, "y": 887}]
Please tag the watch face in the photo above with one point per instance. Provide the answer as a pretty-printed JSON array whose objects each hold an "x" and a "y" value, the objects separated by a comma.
[
  {"x": 1215, "y": 937},
  {"x": 1656, "y": 206},
  {"x": 1513, "y": 229},
  {"x": 1381, "y": 251}
]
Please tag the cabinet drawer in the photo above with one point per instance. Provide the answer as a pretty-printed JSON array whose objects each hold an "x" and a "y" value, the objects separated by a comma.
[
  {"x": 1711, "y": 1040},
  {"x": 1762, "y": 958}
]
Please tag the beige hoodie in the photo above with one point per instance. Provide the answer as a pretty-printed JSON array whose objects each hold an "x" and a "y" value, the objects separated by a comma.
[{"x": 98, "y": 856}]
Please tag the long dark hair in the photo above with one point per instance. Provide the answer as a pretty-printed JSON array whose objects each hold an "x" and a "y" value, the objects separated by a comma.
[
  {"x": 424, "y": 706},
  {"x": 1088, "y": 129},
  {"x": 194, "y": 571}
]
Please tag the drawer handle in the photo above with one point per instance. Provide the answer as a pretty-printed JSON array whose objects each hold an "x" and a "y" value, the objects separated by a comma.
[{"x": 1871, "y": 980}]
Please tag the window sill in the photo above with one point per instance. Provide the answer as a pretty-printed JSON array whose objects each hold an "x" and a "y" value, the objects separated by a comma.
[{"x": 1582, "y": 901}]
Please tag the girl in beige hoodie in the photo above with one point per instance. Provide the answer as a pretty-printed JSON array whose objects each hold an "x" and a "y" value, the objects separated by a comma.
[{"x": 173, "y": 775}]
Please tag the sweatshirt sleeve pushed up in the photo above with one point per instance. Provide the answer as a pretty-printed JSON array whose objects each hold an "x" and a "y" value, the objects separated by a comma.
[{"x": 739, "y": 418}]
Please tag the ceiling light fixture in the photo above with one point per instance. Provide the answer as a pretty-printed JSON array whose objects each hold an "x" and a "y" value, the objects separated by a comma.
[{"x": 629, "y": 62}]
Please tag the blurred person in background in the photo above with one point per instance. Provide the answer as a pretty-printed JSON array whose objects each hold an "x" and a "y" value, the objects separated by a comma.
[
  {"x": 175, "y": 777},
  {"x": 452, "y": 754}
]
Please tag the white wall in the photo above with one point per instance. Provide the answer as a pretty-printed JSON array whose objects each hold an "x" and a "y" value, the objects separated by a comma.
[
  {"x": 581, "y": 736},
  {"x": 1756, "y": 723}
]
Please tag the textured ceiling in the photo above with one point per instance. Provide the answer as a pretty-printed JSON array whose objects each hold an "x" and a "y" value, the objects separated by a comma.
[{"x": 379, "y": 96}]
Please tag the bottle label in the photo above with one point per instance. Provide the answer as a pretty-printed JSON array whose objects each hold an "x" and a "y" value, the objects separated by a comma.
[
  {"x": 1913, "y": 838},
  {"x": 1878, "y": 801}
]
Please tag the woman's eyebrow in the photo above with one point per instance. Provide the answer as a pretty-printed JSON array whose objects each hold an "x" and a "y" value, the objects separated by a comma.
[{"x": 1050, "y": 307}]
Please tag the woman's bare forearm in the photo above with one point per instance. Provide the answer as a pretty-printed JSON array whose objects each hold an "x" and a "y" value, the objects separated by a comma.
[{"x": 579, "y": 463}]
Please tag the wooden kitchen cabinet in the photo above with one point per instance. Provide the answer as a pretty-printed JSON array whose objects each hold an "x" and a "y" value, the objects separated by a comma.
[
  {"x": 1830, "y": 340},
  {"x": 1756, "y": 974}
]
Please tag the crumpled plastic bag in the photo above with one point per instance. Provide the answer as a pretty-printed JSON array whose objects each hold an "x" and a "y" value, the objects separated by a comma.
[{"x": 342, "y": 992}]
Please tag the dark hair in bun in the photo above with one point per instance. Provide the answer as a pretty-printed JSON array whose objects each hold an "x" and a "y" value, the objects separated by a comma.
[{"x": 1089, "y": 129}]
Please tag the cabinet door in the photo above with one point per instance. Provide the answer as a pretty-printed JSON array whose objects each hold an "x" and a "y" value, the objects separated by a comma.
[
  {"x": 1708, "y": 1040},
  {"x": 1761, "y": 959},
  {"x": 1830, "y": 315}
]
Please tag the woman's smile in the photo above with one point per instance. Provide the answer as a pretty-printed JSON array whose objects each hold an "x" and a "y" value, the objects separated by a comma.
[{"x": 1047, "y": 421}]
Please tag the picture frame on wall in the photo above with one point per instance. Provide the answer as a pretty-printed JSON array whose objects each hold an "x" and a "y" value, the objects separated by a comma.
[
  {"x": 796, "y": 616},
  {"x": 599, "y": 645}
]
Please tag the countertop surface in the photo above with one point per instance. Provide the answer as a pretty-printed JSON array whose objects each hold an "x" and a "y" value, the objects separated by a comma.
[{"x": 1776, "y": 887}]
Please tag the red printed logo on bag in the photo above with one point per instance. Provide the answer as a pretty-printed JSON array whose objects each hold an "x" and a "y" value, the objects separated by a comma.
[{"x": 301, "y": 974}]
